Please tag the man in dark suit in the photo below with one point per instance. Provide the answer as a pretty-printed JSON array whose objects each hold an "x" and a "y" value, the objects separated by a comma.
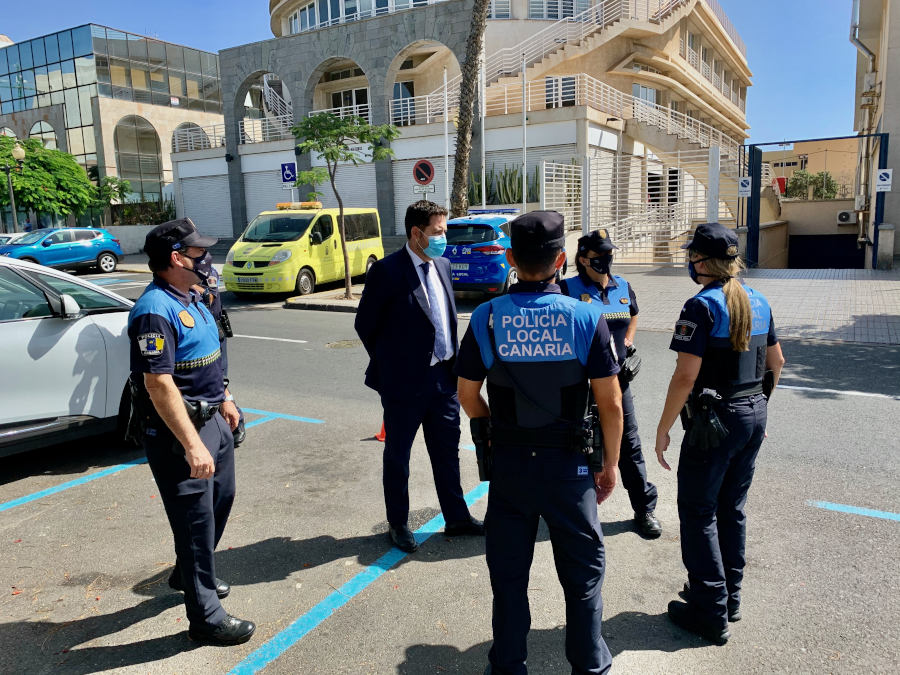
[{"x": 407, "y": 322}]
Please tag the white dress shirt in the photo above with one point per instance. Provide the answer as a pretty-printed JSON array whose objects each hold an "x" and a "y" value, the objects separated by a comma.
[{"x": 443, "y": 311}]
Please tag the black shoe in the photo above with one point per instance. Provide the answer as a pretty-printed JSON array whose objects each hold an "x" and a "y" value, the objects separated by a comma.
[
  {"x": 648, "y": 524},
  {"x": 471, "y": 526},
  {"x": 240, "y": 434},
  {"x": 402, "y": 537},
  {"x": 685, "y": 616},
  {"x": 222, "y": 588},
  {"x": 734, "y": 609},
  {"x": 232, "y": 631}
]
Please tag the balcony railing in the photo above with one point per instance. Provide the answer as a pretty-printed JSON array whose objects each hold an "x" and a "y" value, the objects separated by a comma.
[
  {"x": 346, "y": 111},
  {"x": 266, "y": 129},
  {"x": 365, "y": 9},
  {"x": 727, "y": 25},
  {"x": 198, "y": 138}
]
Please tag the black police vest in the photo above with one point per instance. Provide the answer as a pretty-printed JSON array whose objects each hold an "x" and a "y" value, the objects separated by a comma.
[
  {"x": 730, "y": 373},
  {"x": 539, "y": 352}
]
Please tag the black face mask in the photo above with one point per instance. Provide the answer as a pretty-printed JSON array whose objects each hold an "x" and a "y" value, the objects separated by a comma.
[
  {"x": 202, "y": 265},
  {"x": 602, "y": 264},
  {"x": 693, "y": 270}
]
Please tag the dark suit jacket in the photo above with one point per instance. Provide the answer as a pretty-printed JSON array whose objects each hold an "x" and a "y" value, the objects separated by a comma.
[{"x": 393, "y": 324}]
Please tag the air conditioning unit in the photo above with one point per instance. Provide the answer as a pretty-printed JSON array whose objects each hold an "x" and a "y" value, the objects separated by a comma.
[{"x": 846, "y": 217}]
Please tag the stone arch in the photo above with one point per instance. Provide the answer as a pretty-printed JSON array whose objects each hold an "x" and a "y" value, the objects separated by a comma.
[
  {"x": 427, "y": 58},
  {"x": 139, "y": 157},
  {"x": 263, "y": 96},
  {"x": 339, "y": 84},
  {"x": 189, "y": 136}
]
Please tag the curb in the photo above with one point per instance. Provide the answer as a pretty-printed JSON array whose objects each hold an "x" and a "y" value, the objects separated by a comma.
[
  {"x": 132, "y": 270},
  {"x": 320, "y": 306}
]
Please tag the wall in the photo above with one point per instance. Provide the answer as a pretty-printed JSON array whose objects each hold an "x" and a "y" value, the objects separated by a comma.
[
  {"x": 54, "y": 115},
  {"x": 816, "y": 217},
  {"x": 773, "y": 245},
  {"x": 131, "y": 237}
]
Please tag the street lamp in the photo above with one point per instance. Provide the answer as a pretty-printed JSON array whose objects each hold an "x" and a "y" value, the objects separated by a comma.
[{"x": 18, "y": 153}]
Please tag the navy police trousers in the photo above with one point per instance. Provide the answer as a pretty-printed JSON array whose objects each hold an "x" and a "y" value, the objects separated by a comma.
[
  {"x": 712, "y": 494},
  {"x": 197, "y": 509},
  {"x": 632, "y": 468},
  {"x": 529, "y": 483}
]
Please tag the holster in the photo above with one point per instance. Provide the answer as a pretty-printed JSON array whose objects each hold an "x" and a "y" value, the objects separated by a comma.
[
  {"x": 482, "y": 437},
  {"x": 706, "y": 429},
  {"x": 223, "y": 323},
  {"x": 768, "y": 384},
  {"x": 631, "y": 366},
  {"x": 142, "y": 415},
  {"x": 595, "y": 459}
]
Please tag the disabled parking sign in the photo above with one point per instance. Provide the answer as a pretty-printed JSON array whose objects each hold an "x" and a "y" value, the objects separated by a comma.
[{"x": 289, "y": 172}]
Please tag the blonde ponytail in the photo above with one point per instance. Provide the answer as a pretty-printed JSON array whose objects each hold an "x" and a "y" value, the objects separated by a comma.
[{"x": 736, "y": 299}]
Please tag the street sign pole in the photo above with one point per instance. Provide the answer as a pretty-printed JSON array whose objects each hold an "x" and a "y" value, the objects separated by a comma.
[{"x": 446, "y": 145}]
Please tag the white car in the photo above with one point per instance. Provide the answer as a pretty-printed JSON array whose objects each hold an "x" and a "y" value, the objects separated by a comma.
[
  {"x": 10, "y": 237},
  {"x": 65, "y": 358}
]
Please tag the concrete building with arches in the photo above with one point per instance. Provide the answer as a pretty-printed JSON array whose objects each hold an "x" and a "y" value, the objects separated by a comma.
[
  {"x": 612, "y": 87},
  {"x": 110, "y": 98}
]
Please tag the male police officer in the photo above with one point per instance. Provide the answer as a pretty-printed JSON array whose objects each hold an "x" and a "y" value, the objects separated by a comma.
[
  {"x": 538, "y": 350},
  {"x": 186, "y": 416}
]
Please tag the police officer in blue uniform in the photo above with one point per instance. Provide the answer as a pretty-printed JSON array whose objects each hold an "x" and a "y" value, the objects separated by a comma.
[
  {"x": 186, "y": 416},
  {"x": 615, "y": 298},
  {"x": 542, "y": 353},
  {"x": 729, "y": 361},
  {"x": 209, "y": 293}
]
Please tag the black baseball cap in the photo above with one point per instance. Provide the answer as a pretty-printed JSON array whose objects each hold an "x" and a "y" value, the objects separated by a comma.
[
  {"x": 538, "y": 231},
  {"x": 714, "y": 240},
  {"x": 597, "y": 241},
  {"x": 174, "y": 236}
]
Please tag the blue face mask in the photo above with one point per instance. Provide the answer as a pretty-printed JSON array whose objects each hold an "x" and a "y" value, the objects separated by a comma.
[
  {"x": 693, "y": 271},
  {"x": 436, "y": 246}
]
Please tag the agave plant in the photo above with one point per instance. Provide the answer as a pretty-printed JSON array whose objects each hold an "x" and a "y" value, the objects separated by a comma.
[
  {"x": 509, "y": 185},
  {"x": 474, "y": 189}
]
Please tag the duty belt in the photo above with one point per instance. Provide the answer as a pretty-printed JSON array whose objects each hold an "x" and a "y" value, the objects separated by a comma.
[
  {"x": 737, "y": 392},
  {"x": 200, "y": 412}
]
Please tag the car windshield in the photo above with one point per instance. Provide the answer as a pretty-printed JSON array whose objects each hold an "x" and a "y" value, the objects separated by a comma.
[
  {"x": 30, "y": 238},
  {"x": 470, "y": 234},
  {"x": 277, "y": 227}
]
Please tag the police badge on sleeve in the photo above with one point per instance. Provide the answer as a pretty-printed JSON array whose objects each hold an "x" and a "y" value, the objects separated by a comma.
[{"x": 151, "y": 344}]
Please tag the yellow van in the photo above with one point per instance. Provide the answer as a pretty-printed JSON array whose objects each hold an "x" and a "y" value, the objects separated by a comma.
[{"x": 298, "y": 246}]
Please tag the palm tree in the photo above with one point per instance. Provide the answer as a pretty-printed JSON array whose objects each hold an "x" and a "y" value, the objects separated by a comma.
[{"x": 468, "y": 86}]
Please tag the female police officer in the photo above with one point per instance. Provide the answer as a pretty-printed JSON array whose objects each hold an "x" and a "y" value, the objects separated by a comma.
[
  {"x": 615, "y": 299},
  {"x": 726, "y": 342}
]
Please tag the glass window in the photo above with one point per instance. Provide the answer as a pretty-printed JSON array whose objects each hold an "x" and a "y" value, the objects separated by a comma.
[
  {"x": 90, "y": 142},
  {"x": 5, "y": 90},
  {"x": 75, "y": 141},
  {"x": 20, "y": 299},
  {"x": 65, "y": 45},
  {"x": 85, "y": 235},
  {"x": 102, "y": 69},
  {"x": 175, "y": 57},
  {"x": 85, "y": 72},
  {"x": 6, "y": 131},
  {"x": 73, "y": 110},
  {"x": 176, "y": 83},
  {"x": 25, "y": 55},
  {"x": 119, "y": 73},
  {"x": 12, "y": 53},
  {"x": 157, "y": 54},
  {"x": 51, "y": 47},
  {"x": 84, "y": 99},
  {"x": 18, "y": 105},
  {"x": 137, "y": 48},
  {"x": 98, "y": 38},
  {"x": 56, "y": 98},
  {"x": 55, "y": 75},
  {"x": 61, "y": 237},
  {"x": 138, "y": 157},
  {"x": 15, "y": 83},
  {"x": 194, "y": 85},
  {"x": 325, "y": 227},
  {"x": 192, "y": 60},
  {"x": 28, "y": 83},
  {"x": 41, "y": 80},
  {"x": 159, "y": 80},
  {"x": 140, "y": 76},
  {"x": 68, "y": 74},
  {"x": 323, "y": 11},
  {"x": 87, "y": 298},
  {"x": 81, "y": 41},
  {"x": 4, "y": 64},
  {"x": 117, "y": 44},
  {"x": 37, "y": 51},
  {"x": 209, "y": 64},
  {"x": 44, "y": 131}
]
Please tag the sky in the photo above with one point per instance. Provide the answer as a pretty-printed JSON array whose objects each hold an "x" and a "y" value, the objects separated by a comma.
[{"x": 799, "y": 50}]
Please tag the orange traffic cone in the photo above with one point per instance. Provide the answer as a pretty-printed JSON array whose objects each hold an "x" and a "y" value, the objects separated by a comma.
[{"x": 381, "y": 435}]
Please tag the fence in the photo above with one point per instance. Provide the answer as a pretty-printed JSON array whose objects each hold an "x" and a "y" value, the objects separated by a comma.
[
  {"x": 193, "y": 137},
  {"x": 266, "y": 129}
]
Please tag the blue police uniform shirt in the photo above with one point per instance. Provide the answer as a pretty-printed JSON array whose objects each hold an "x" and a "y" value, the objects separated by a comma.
[
  {"x": 557, "y": 328},
  {"x": 617, "y": 302},
  {"x": 705, "y": 318},
  {"x": 172, "y": 333}
]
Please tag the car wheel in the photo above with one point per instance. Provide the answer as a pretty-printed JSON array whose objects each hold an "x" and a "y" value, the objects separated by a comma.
[
  {"x": 242, "y": 295},
  {"x": 31, "y": 260},
  {"x": 306, "y": 282},
  {"x": 513, "y": 278},
  {"x": 106, "y": 263},
  {"x": 371, "y": 261}
]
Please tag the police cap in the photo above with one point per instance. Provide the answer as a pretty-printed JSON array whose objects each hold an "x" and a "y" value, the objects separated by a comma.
[
  {"x": 175, "y": 235},
  {"x": 597, "y": 241},
  {"x": 538, "y": 231},
  {"x": 714, "y": 240}
]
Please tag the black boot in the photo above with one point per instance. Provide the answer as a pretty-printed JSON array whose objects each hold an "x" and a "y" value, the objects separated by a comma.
[
  {"x": 222, "y": 588},
  {"x": 648, "y": 524},
  {"x": 688, "y": 617},
  {"x": 734, "y": 608},
  {"x": 232, "y": 631}
]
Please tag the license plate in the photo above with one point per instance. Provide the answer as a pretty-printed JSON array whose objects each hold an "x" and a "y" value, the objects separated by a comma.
[
  {"x": 459, "y": 266},
  {"x": 248, "y": 280}
]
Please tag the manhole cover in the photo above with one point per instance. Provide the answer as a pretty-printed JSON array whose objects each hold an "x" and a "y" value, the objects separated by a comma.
[{"x": 344, "y": 344}]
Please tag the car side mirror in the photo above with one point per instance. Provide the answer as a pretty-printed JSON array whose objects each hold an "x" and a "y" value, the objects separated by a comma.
[
  {"x": 46, "y": 242},
  {"x": 315, "y": 238},
  {"x": 69, "y": 308}
]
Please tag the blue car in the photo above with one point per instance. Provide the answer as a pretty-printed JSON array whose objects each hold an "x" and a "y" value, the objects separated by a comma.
[
  {"x": 68, "y": 248},
  {"x": 476, "y": 249}
]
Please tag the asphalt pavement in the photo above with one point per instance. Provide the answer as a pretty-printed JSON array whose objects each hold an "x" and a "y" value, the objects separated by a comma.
[{"x": 83, "y": 570}]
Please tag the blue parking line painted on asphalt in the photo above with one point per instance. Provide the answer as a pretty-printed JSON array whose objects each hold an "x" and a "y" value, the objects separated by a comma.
[
  {"x": 856, "y": 510},
  {"x": 281, "y": 416},
  {"x": 72, "y": 483},
  {"x": 107, "y": 282},
  {"x": 466, "y": 447},
  {"x": 261, "y": 420},
  {"x": 287, "y": 638}
]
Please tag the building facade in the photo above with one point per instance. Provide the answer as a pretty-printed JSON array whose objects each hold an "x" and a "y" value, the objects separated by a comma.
[
  {"x": 112, "y": 99},
  {"x": 615, "y": 89}
]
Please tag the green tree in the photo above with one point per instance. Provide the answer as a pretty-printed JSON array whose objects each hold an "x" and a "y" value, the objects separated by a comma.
[
  {"x": 798, "y": 185},
  {"x": 337, "y": 141},
  {"x": 112, "y": 190},
  {"x": 459, "y": 201},
  {"x": 51, "y": 181},
  {"x": 824, "y": 185}
]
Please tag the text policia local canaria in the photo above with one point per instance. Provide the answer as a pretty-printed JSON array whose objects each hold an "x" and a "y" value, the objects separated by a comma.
[{"x": 534, "y": 336}]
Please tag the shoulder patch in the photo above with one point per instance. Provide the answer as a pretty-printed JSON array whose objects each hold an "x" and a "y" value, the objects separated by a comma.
[
  {"x": 151, "y": 344},
  {"x": 684, "y": 330},
  {"x": 186, "y": 318},
  {"x": 624, "y": 301},
  {"x": 585, "y": 297}
]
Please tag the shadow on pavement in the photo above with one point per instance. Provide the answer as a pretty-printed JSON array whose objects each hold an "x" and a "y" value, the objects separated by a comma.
[
  {"x": 844, "y": 366},
  {"x": 54, "y": 647},
  {"x": 628, "y": 631}
]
